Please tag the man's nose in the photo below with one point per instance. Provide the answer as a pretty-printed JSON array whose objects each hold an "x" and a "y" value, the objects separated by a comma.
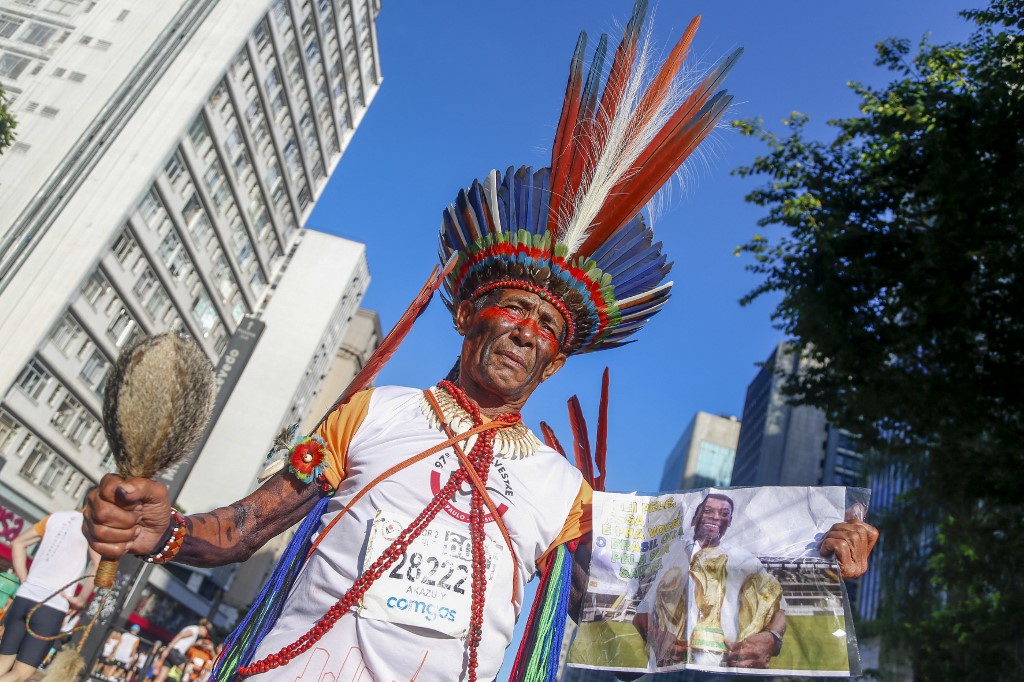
[{"x": 524, "y": 332}]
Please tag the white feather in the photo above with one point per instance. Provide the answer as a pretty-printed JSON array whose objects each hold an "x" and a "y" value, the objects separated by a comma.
[
  {"x": 621, "y": 141},
  {"x": 491, "y": 191}
]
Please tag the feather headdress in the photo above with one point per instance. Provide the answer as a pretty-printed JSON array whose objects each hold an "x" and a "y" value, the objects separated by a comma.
[{"x": 573, "y": 233}]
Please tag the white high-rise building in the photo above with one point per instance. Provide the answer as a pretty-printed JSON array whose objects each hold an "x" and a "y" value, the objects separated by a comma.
[{"x": 167, "y": 155}]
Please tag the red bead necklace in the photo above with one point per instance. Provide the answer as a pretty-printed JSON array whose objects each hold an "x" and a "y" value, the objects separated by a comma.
[{"x": 480, "y": 457}]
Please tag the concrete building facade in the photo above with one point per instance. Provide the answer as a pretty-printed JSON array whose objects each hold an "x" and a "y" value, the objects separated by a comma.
[
  {"x": 784, "y": 444},
  {"x": 167, "y": 157},
  {"x": 704, "y": 455}
]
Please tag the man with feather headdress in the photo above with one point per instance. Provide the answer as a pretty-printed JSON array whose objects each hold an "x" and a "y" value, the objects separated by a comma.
[{"x": 426, "y": 512}]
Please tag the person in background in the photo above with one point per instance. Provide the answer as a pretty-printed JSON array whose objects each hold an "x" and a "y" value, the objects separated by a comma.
[
  {"x": 62, "y": 559},
  {"x": 123, "y": 657},
  {"x": 176, "y": 652}
]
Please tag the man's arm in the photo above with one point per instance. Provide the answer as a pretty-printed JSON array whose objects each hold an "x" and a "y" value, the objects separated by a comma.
[
  {"x": 235, "y": 532},
  {"x": 125, "y": 516},
  {"x": 19, "y": 552}
]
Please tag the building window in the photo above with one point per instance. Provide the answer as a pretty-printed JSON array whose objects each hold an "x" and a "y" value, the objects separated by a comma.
[
  {"x": 12, "y": 65},
  {"x": 173, "y": 256},
  {"x": 202, "y": 231},
  {"x": 121, "y": 328},
  {"x": 94, "y": 372},
  {"x": 44, "y": 468},
  {"x": 65, "y": 333},
  {"x": 192, "y": 208},
  {"x": 125, "y": 248},
  {"x": 204, "y": 312},
  {"x": 237, "y": 307},
  {"x": 222, "y": 276},
  {"x": 151, "y": 210},
  {"x": 33, "y": 379},
  {"x": 157, "y": 303},
  {"x": 258, "y": 282},
  {"x": 145, "y": 284},
  {"x": 74, "y": 421},
  {"x": 9, "y": 428},
  {"x": 198, "y": 133},
  {"x": 260, "y": 36},
  {"x": 8, "y": 25},
  {"x": 174, "y": 168},
  {"x": 281, "y": 13},
  {"x": 95, "y": 289},
  {"x": 37, "y": 34},
  {"x": 63, "y": 7}
]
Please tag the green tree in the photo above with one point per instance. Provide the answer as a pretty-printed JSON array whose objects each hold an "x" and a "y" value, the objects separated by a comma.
[
  {"x": 7, "y": 123},
  {"x": 899, "y": 267}
]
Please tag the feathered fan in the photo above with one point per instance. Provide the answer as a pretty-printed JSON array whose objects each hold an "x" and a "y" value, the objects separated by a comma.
[
  {"x": 157, "y": 402},
  {"x": 156, "y": 405}
]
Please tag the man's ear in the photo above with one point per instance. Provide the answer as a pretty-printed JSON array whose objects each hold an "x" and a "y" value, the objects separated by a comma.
[
  {"x": 553, "y": 366},
  {"x": 464, "y": 315}
]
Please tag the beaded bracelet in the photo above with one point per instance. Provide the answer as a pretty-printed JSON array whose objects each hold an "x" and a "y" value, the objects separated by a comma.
[{"x": 173, "y": 543}]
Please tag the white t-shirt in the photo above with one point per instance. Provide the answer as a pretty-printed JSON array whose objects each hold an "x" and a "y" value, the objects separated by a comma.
[
  {"x": 62, "y": 557},
  {"x": 110, "y": 645},
  {"x": 191, "y": 634},
  {"x": 125, "y": 647},
  {"x": 533, "y": 495}
]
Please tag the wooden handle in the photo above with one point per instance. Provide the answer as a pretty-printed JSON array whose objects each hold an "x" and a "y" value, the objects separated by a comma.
[{"x": 105, "y": 574}]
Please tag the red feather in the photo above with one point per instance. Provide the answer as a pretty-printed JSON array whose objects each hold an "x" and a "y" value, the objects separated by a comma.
[
  {"x": 601, "y": 447},
  {"x": 666, "y": 74},
  {"x": 561, "y": 149},
  {"x": 581, "y": 440},
  {"x": 657, "y": 167},
  {"x": 551, "y": 440},
  {"x": 389, "y": 345},
  {"x": 586, "y": 139},
  {"x": 622, "y": 67}
]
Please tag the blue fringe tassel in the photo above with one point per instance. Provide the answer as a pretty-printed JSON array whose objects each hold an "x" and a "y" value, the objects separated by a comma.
[
  {"x": 539, "y": 657},
  {"x": 241, "y": 644}
]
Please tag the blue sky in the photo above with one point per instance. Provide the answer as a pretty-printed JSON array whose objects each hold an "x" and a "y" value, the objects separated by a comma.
[{"x": 470, "y": 86}]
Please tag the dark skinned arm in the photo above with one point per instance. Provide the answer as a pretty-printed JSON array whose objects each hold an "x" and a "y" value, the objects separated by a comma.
[{"x": 131, "y": 516}]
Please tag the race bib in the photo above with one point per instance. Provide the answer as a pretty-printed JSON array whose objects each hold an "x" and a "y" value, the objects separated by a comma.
[{"x": 431, "y": 584}]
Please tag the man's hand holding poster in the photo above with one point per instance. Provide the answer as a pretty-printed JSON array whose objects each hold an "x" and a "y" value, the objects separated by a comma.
[{"x": 718, "y": 580}]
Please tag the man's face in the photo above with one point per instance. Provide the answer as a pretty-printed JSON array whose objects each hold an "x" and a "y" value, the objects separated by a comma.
[
  {"x": 510, "y": 345},
  {"x": 711, "y": 521}
]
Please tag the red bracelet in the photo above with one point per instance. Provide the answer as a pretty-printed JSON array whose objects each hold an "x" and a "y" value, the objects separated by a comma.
[{"x": 173, "y": 544}]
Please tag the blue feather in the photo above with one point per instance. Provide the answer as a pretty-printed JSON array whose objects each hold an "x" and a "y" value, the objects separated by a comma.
[
  {"x": 541, "y": 199},
  {"x": 479, "y": 204},
  {"x": 467, "y": 217}
]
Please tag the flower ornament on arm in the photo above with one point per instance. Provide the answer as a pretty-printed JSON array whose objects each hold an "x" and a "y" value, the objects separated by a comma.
[{"x": 308, "y": 459}]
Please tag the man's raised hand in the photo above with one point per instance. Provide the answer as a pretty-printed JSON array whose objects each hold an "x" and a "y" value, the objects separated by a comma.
[
  {"x": 125, "y": 516},
  {"x": 851, "y": 542}
]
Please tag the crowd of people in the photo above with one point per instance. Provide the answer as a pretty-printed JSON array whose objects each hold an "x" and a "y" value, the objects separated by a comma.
[
  {"x": 42, "y": 602},
  {"x": 188, "y": 657}
]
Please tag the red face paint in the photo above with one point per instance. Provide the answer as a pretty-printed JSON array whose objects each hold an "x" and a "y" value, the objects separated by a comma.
[{"x": 545, "y": 336}]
